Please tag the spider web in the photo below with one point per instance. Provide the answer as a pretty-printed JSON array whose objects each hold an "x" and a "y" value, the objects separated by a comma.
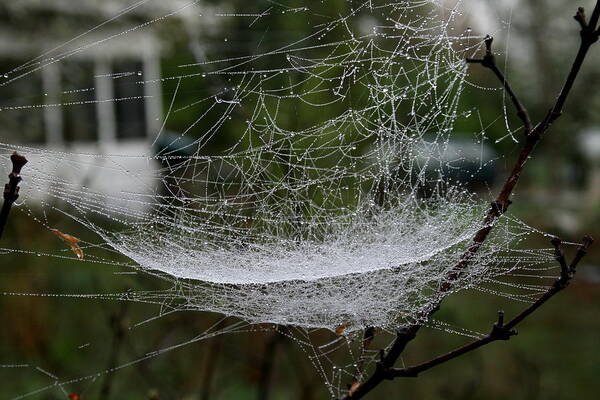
[{"x": 328, "y": 203}]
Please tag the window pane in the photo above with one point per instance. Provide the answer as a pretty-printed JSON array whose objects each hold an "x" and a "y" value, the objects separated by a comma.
[
  {"x": 80, "y": 122},
  {"x": 130, "y": 113}
]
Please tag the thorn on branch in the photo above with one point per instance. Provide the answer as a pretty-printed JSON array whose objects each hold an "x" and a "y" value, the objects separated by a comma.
[
  {"x": 500, "y": 322},
  {"x": 501, "y": 332}
]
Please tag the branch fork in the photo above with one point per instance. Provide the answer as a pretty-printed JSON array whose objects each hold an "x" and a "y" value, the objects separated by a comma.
[{"x": 589, "y": 33}]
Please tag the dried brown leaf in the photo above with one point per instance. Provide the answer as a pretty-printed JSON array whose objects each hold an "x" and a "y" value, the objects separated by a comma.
[
  {"x": 71, "y": 241},
  {"x": 340, "y": 329}
]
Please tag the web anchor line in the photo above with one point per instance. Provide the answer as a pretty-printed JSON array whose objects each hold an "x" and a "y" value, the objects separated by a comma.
[{"x": 533, "y": 133}]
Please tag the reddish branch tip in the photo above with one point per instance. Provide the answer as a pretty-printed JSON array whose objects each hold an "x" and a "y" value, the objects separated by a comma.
[
  {"x": 18, "y": 161},
  {"x": 580, "y": 17}
]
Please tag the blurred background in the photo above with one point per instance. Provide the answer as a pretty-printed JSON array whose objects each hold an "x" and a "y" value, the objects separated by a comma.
[{"x": 46, "y": 338}]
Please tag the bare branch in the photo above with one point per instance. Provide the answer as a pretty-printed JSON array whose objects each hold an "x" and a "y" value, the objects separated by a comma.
[
  {"x": 387, "y": 361},
  {"x": 489, "y": 61},
  {"x": 498, "y": 333},
  {"x": 502, "y": 202},
  {"x": 11, "y": 189},
  {"x": 589, "y": 35},
  {"x": 501, "y": 331}
]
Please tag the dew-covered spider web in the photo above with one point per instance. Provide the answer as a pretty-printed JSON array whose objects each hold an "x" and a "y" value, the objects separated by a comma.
[{"x": 301, "y": 172}]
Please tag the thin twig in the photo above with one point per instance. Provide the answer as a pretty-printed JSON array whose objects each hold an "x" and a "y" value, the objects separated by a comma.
[
  {"x": 11, "y": 189},
  {"x": 498, "y": 333},
  {"x": 489, "y": 61},
  {"x": 501, "y": 331},
  {"x": 589, "y": 35}
]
